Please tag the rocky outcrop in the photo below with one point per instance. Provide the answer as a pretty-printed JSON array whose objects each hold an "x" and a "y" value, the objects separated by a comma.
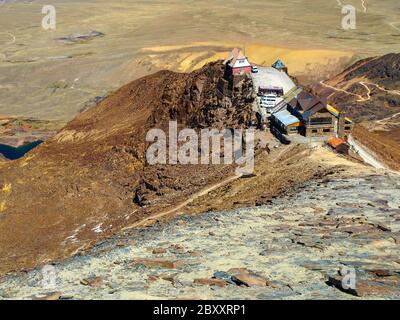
[
  {"x": 197, "y": 105},
  {"x": 91, "y": 179}
]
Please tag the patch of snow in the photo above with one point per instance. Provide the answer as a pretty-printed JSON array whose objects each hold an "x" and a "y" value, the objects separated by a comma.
[
  {"x": 72, "y": 238},
  {"x": 98, "y": 229}
]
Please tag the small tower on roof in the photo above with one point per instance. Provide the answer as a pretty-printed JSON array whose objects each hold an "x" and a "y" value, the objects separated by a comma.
[{"x": 279, "y": 65}]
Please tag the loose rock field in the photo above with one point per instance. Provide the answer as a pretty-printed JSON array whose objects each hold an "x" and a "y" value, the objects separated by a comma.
[{"x": 290, "y": 249}]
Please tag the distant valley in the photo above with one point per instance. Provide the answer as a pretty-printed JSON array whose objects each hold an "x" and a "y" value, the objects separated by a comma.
[{"x": 46, "y": 77}]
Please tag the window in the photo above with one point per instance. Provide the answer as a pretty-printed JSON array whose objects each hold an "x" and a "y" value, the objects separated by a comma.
[
  {"x": 327, "y": 130},
  {"x": 321, "y": 121},
  {"x": 347, "y": 128},
  {"x": 314, "y": 131}
]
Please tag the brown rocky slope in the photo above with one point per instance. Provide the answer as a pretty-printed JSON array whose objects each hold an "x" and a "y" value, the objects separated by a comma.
[
  {"x": 80, "y": 185},
  {"x": 367, "y": 90}
]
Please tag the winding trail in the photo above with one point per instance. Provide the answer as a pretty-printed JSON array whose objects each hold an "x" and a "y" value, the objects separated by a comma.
[
  {"x": 388, "y": 118},
  {"x": 363, "y": 4},
  {"x": 360, "y": 97},
  {"x": 396, "y": 92},
  {"x": 151, "y": 219},
  {"x": 365, "y": 85}
]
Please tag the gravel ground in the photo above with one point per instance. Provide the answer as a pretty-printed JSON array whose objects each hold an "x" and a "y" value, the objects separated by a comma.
[{"x": 295, "y": 243}]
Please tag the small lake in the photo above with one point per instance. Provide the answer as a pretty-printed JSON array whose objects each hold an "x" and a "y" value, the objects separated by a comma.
[{"x": 12, "y": 153}]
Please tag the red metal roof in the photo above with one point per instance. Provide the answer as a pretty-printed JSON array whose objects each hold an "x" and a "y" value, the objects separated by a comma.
[{"x": 335, "y": 142}]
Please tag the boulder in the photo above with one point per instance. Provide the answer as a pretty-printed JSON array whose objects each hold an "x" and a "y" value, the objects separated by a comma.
[
  {"x": 222, "y": 275},
  {"x": 152, "y": 278},
  {"x": 359, "y": 229},
  {"x": 248, "y": 278},
  {"x": 211, "y": 282},
  {"x": 159, "y": 263},
  {"x": 177, "y": 248},
  {"x": 382, "y": 272},
  {"x": 194, "y": 253},
  {"x": 382, "y": 227},
  {"x": 363, "y": 288},
  {"x": 48, "y": 296},
  {"x": 92, "y": 281},
  {"x": 159, "y": 250}
]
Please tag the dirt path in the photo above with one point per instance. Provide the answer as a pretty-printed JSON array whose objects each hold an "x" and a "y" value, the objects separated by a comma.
[
  {"x": 365, "y": 85},
  {"x": 396, "y": 92},
  {"x": 199, "y": 194},
  {"x": 360, "y": 97},
  {"x": 363, "y": 4},
  {"x": 388, "y": 118}
]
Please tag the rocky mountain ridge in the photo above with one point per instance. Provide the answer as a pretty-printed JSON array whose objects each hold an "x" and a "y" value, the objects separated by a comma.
[
  {"x": 367, "y": 90},
  {"x": 80, "y": 185}
]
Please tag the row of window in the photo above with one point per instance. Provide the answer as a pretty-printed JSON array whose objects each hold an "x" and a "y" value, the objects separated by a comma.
[
  {"x": 324, "y": 130},
  {"x": 321, "y": 121}
]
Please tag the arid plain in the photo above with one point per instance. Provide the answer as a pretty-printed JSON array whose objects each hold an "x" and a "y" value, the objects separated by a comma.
[{"x": 48, "y": 78}]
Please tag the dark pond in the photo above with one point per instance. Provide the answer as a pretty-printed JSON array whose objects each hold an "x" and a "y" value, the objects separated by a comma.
[{"x": 12, "y": 153}]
